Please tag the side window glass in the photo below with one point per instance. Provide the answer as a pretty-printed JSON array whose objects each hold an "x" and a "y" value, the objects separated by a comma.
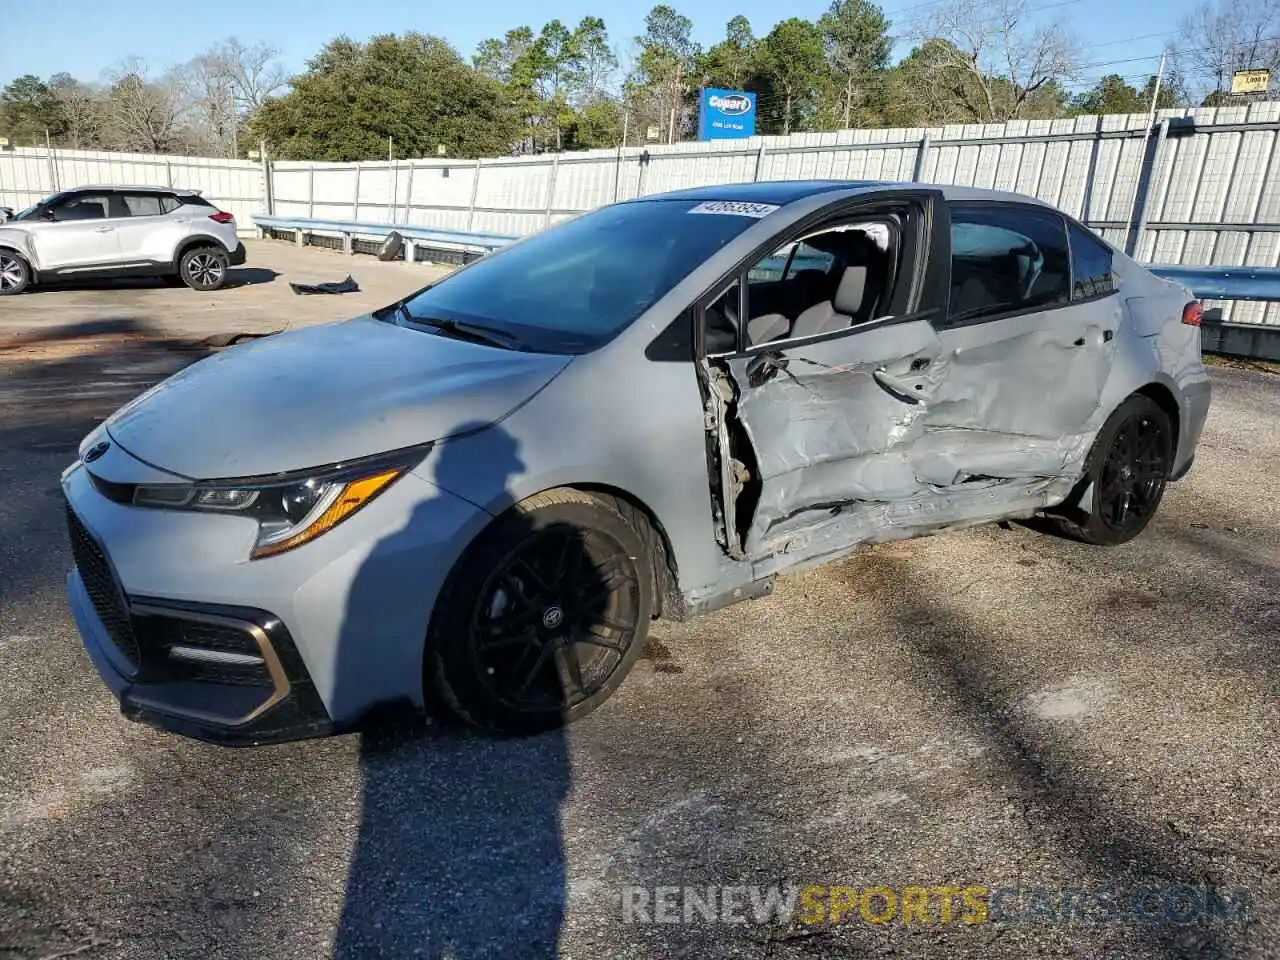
[
  {"x": 143, "y": 204},
  {"x": 169, "y": 204},
  {"x": 81, "y": 207},
  {"x": 773, "y": 267},
  {"x": 810, "y": 258},
  {"x": 1006, "y": 258},
  {"x": 1090, "y": 265}
]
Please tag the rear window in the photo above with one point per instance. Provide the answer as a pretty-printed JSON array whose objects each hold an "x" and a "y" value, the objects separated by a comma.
[
  {"x": 1006, "y": 258},
  {"x": 576, "y": 286},
  {"x": 143, "y": 204},
  {"x": 1090, "y": 265}
]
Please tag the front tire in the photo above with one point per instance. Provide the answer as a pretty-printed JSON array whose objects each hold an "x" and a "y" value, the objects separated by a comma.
[
  {"x": 204, "y": 268},
  {"x": 15, "y": 274},
  {"x": 1127, "y": 470},
  {"x": 543, "y": 617}
]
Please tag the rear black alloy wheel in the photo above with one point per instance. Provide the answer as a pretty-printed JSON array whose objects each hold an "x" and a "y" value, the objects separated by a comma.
[
  {"x": 1133, "y": 475},
  {"x": 544, "y": 617},
  {"x": 14, "y": 274},
  {"x": 204, "y": 268},
  {"x": 1128, "y": 469}
]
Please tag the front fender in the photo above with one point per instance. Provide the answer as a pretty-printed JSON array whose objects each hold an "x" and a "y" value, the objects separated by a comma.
[{"x": 19, "y": 241}]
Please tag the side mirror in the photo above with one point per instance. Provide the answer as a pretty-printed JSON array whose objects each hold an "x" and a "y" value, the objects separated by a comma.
[
  {"x": 47, "y": 214},
  {"x": 6, "y": 213}
]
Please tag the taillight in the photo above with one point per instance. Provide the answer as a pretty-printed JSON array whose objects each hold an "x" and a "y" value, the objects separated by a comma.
[
  {"x": 221, "y": 217},
  {"x": 1193, "y": 313}
]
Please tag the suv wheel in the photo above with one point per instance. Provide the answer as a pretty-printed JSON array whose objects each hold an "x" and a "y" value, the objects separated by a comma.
[
  {"x": 204, "y": 268},
  {"x": 15, "y": 275}
]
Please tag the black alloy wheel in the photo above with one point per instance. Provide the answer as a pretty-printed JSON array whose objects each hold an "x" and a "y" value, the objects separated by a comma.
[
  {"x": 1127, "y": 470},
  {"x": 1133, "y": 474},
  {"x": 543, "y": 617},
  {"x": 556, "y": 620}
]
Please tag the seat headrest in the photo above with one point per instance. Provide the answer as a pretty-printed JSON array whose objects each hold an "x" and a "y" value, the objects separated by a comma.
[{"x": 848, "y": 298}]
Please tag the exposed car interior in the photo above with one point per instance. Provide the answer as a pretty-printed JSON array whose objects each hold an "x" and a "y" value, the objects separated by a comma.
[{"x": 827, "y": 281}]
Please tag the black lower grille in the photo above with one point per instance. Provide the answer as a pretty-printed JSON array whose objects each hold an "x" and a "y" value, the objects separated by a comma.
[{"x": 101, "y": 586}]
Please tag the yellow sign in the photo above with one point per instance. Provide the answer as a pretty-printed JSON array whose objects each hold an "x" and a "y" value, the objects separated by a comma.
[{"x": 1250, "y": 81}]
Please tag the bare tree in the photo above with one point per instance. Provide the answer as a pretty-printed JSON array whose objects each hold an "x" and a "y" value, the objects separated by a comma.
[
  {"x": 222, "y": 87},
  {"x": 1217, "y": 40},
  {"x": 82, "y": 110},
  {"x": 254, "y": 72},
  {"x": 991, "y": 57},
  {"x": 142, "y": 114}
]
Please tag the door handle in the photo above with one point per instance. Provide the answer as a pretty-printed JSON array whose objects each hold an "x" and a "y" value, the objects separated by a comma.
[
  {"x": 894, "y": 387},
  {"x": 104, "y": 229}
]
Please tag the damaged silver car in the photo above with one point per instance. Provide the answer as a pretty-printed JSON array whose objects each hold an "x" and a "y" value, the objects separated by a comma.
[{"x": 478, "y": 498}]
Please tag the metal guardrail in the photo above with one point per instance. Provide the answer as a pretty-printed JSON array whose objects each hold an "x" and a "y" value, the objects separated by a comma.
[
  {"x": 349, "y": 231},
  {"x": 1260, "y": 284},
  {"x": 1225, "y": 283}
]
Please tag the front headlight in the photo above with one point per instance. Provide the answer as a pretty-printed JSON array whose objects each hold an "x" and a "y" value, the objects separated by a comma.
[{"x": 290, "y": 511}]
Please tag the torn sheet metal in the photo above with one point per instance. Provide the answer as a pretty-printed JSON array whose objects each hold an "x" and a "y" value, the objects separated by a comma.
[
  {"x": 898, "y": 426},
  {"x": 341, "y": 286}
]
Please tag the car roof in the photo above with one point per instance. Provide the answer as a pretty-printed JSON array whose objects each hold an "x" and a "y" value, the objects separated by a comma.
[
  {"x": 782, "y": 192},
  {"x": 133, "y": 188}
]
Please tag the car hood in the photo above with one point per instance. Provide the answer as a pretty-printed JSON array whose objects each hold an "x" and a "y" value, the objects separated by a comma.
[{"x": 324, "y": 395}]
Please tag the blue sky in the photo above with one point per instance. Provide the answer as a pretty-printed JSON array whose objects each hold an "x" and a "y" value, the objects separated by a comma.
[{"x": 89, "y": 36}]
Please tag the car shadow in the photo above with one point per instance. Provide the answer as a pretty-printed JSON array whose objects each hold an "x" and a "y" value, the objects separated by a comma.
[
  {"x": 459, "y": 850},
  {"x": 236, "y": 277}
]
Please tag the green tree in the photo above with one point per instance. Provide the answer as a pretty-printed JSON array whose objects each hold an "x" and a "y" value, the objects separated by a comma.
[
  {"x": 29, "y": 108},
  {"x": 1109, "y": 95},
  {"x": 734, "y": 61},
  {"x": 415, "y": 89},
  {"x": 667, "y": 64},
  {"x": 598, "y": 124},
  {"x": 496, "y": 59},
  {"x": 596, "y": 62},
  {"x": 794, "y": 62},
  {"x": 855, "y": 34},
  {"x": 1112, "y": 94}
]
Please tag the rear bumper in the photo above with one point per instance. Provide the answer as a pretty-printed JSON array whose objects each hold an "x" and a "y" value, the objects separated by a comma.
[{"x": 238, "y": 255}]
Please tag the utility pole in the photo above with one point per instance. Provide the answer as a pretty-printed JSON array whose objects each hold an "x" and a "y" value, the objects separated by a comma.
[
  {"x": 675, "y": 103},
  {"x": 1155, "y": 94}
]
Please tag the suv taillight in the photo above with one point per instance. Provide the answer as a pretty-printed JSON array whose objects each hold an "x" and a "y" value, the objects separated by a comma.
[
  {"x": 1193, "y": 313},
  {"x": 221, "y": 217}
]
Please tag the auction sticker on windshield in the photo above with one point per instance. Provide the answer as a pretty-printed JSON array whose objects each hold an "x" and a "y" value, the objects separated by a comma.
[{"x": 737, "y": 207}]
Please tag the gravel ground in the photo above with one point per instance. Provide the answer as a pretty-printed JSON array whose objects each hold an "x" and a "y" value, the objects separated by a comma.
[{"x": 991, "y": 708}]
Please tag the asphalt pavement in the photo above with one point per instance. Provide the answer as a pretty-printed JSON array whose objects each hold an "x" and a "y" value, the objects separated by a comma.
[{"x": 996, "y": 709}]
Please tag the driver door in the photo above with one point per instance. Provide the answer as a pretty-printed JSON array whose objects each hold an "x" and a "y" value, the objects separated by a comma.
[
  {"x": 819, "y": 407},
  {"x": 80, "y": 234}
]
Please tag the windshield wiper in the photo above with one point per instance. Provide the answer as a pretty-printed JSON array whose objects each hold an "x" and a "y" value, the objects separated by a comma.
[{"x": 477, "y": 332}]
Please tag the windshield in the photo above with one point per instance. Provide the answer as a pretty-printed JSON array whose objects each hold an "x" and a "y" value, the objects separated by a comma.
[
  {"x": 574, "y": 287},
  {"x": 31, "y": 210}
]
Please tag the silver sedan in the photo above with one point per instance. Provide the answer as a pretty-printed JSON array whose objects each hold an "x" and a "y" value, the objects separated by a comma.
[{"x": 476, "y": 500}]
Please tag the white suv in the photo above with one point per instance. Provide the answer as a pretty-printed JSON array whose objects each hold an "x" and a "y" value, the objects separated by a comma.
[{"x": 119, "y": 232}]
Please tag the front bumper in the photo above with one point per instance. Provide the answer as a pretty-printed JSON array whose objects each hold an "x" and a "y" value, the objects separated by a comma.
[
  {"x": 346, "y": 616},
  {"x": 238, "y": 255},
  {"x": 228, "y": 675}
]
